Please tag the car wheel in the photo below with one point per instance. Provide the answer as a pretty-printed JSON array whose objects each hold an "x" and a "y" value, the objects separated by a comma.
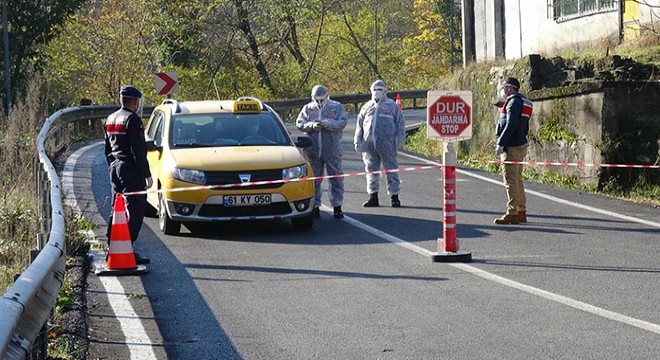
[
  {"x": 303, "y": 223},
  {"x": 167, "y": 226}
]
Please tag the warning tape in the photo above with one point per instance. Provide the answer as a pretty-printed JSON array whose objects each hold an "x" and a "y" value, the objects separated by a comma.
[
  {"x": 577, "y": 164},
  {"x": 270, "y": 182},
  {"x": 402, "y": 169}
]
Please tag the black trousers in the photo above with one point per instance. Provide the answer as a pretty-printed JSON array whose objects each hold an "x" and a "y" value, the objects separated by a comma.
[{"x": 125, "y": 177}]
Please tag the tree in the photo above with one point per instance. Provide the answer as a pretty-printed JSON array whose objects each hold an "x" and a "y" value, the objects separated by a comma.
[
  {"x": 428, "y": 52},
  {"x": 31, "y": 24},
  {"x": 99, "y": 51}
]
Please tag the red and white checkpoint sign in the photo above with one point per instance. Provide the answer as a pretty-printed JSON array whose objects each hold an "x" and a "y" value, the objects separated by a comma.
[
  {"x": 449, "y": 115},
  {"x": 166, "y": 82}
]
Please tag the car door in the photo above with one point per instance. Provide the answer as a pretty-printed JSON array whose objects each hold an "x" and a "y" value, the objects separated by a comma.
[{"x": 155, "y": 132}]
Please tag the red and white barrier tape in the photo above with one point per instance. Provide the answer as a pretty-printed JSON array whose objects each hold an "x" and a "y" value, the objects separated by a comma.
[
  {"x": 577, "y": 164},
  {"x": 270, "y": 182},
  {"x": 403, "y": 169}
]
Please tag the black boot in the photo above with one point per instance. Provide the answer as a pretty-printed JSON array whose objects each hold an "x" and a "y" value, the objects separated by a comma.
[
  {"x": 373, "y": 200},
  {"x": 316, "y": 213},
  {"x": 395, "y": 201},
  {"x": 338, "y": 214}
]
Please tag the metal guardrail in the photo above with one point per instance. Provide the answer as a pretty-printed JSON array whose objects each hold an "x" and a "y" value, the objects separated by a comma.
[{"x": 28, "y": 303}]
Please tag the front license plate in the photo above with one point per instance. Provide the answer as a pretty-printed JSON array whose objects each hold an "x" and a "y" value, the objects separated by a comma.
[{"x": 246, "y": 200}]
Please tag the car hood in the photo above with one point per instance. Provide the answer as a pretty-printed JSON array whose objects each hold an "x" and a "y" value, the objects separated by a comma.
[{"x": 237, "y": 158}]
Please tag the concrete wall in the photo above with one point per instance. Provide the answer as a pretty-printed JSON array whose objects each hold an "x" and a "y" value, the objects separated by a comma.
[
  {"x": 612, "y": 122},
  {"x": 585, "y": 121}
]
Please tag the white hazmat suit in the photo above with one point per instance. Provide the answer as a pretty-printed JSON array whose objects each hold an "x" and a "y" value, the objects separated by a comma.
[
  {"x": 323, "y": 120},
  {"x": 379, "y": 133}
]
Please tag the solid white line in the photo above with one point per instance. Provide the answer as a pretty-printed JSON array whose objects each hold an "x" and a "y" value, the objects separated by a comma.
[
  {"x": 549, "y": 197},
  {"x": 644, "y": 325},
  {"x": 135, "y": 336}
]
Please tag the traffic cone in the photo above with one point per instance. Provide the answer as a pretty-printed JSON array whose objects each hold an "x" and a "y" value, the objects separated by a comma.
[
  {"x": 398, "y": 101},
  {"x": 121, "y": 258}
]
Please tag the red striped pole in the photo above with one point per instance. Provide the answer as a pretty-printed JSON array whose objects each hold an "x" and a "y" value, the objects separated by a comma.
[
  {"x": 449, "y": 241},
  {"x": 449, "y": 209}
]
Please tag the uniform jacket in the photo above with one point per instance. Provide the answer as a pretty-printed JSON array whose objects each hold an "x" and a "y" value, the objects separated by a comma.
[
  {"x": 513, "y": 123},
  {"x": 124, "y": 140}
]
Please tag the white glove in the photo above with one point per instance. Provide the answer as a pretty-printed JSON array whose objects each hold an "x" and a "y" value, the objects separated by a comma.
[
  {"x": 317, "y": 126},
  {"x": 499, "y": 150},
  {"x": 150, "y": 182}
]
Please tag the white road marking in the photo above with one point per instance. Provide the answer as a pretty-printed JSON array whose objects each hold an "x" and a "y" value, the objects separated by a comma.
[
  {"x": 644, "y": 325},
  {"x": 136, "y": 338}
]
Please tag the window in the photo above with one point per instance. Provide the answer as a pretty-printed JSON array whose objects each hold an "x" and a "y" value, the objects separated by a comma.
[
  {"x": 158, "y": 135},
  {"x": 571, "y": 9}
]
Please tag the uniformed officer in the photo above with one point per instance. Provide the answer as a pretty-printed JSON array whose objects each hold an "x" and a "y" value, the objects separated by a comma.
[{"x": 126, "y": 153}]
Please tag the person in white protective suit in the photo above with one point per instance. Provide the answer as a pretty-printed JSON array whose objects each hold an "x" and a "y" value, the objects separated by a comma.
[
  {"x": 323, "y": 120},
  {"x": 380, "y": 131}
]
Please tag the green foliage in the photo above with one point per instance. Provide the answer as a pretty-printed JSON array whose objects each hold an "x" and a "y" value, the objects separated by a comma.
[
  {"x": 222, "y": 49},
  {"x": 417, "y": 142},
  {"x": 77, "y": 233},
  {"x": 555, "y": 126},
  {"x": 99, "y": 50},
  {"x": 32, "y": 24},
  {"x": 17, "y": 237}
]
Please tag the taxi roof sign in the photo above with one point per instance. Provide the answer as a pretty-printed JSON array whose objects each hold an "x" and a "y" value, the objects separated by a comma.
[{"x": 243, "y": 106}]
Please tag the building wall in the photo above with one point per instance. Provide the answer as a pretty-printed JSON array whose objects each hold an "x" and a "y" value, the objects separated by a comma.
[{"x": 512, "y": 29}]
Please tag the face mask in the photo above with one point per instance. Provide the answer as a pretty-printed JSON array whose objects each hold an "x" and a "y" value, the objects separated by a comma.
[
  {"x": 320, "y": 101},
  {"x": 502, "y": 94},
  {"x": 377, "y": 94}
]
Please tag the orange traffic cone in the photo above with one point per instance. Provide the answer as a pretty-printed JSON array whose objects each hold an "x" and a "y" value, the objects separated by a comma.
[
  {"x": 398, "y": 101},
  {"x": 121, "y": 258}
]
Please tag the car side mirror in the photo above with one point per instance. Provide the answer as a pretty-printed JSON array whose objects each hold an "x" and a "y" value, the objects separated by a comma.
[
  {"x": 303, "y": 142},
  {"x": 151, "y": 146}
]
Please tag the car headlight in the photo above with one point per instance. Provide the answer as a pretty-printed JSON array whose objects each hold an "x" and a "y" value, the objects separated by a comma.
[
  {"x": 191, "y": 176},
  {"x": 295, "y": 172}
]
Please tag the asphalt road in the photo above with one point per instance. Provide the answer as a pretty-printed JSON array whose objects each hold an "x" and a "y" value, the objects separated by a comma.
[{"x": 579, "y": 281}]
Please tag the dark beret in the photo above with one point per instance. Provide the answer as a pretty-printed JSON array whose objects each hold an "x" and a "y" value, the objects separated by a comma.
[
  {"x": 512, "y": 82},
  {"x": 130, "y": 91}
]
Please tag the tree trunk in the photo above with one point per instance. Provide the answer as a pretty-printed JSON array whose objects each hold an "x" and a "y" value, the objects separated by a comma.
[{"x": 244, "y": 26}]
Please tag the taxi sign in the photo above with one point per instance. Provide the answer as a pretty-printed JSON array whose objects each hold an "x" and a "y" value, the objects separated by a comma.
[{"x": 246, "y": 106}]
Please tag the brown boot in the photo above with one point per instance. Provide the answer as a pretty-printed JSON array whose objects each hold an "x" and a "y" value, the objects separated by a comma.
[
  {"x": 507, "y": 219},
  {"x": 522, "y": 216}
]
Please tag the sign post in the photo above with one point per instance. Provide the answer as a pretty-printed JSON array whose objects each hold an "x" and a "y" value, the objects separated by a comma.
[{"x": 449, "y": 118}]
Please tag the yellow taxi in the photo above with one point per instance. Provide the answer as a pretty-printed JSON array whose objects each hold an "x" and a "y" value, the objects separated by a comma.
[{"x": 226, "y": 160}]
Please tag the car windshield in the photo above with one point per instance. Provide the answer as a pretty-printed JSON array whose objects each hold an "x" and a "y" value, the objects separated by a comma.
[{"x": 227, "y": 129}]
